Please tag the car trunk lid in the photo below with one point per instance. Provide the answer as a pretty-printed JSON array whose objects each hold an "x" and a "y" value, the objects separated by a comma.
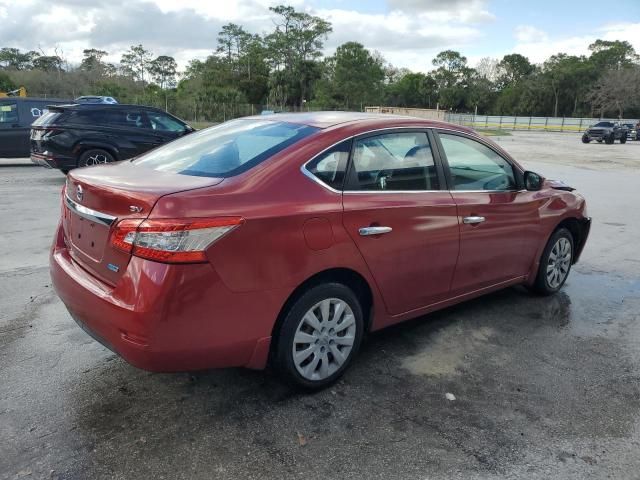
[{"x": 97, "y": 198}]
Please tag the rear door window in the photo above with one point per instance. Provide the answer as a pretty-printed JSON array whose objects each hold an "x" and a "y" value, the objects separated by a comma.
[
  {"x": 162, "y": 122},
  {"x": 394, "y": 162}
]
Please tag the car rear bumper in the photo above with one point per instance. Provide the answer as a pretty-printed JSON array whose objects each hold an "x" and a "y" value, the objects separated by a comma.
[
  {"x": 167, "y": 318},
  {"x": 49, "y": 161}
]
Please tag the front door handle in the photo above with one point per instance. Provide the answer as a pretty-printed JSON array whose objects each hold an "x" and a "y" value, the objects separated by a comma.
[
  {"x": 473, "y": 220},
  {"x": 366, "y": 231}
]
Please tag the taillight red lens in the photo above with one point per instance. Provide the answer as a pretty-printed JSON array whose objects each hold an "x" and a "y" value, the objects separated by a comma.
[
  {"x": 172, "y": 240},
  {"x": 124, "y": 234}
]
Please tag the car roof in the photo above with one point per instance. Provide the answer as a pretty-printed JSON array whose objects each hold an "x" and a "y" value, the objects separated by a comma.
[
  {"x": 109, "y": 106},
  {"x": 325, "y": 120}
]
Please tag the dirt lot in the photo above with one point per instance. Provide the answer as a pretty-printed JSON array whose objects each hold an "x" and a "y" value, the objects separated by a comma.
[{"x": 544, "y": 387}]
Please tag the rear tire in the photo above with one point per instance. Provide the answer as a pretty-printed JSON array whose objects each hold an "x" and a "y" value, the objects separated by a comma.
[
  {"x": 585, "y": 139},
  {"x": 555, "y": 263},
  {"x": 95, "y": 156},
  {"x": 319, "y": 336},
  {"x": 623, "y": 139}
]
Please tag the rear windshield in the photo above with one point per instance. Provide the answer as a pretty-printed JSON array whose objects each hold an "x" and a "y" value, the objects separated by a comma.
[
  {"x": 47, "y": 118},
  {"x": 225, "y": 150},
  {"x": 604, "y": 124}
]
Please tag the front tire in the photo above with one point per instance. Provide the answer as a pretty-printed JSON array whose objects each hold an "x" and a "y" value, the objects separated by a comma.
[
  {"x": 319, "y": 336},
  {"x": 585, "y": 139},
  {"x": 95, "y": 156},
  {"x": 623, "y": 139},
  {"x": 610, "y": 139},
  {"x": 555, "y": 263}
]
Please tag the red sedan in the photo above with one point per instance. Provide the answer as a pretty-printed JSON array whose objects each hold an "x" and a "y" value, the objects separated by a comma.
[{"x": 287, "y": 238}]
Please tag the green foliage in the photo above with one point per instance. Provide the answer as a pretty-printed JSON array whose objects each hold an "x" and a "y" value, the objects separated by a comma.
[
  {"x": 6, "y": 84},
  {"x": 352, "y": 78},
  {"x": 284, "y": 70}
]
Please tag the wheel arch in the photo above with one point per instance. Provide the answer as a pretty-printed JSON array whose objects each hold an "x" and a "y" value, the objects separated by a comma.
[
  {"x": 345, "y": 276},
  {"x": 579, "y": 231}
]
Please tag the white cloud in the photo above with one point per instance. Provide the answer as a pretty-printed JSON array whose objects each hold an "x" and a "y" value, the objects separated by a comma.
[
  {"x": 528, "y": 33},
  {"x": 538, "y": 50},
  {"x": 465, "y": 11}
]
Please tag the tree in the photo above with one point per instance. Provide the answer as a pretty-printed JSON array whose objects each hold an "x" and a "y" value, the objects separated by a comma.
[
  {"x": 488, "y": 68},
  {"x": 293, "y": 49},
  {"x": 163, "y": 70},
  {"x": 615, "y": 54},
  {"x": 13, "y": 58},
  {"x": 6, "y": 84},
  {"x": 617, "y": 90},
  {"x": 513, "y": 68},
  {"x": 413, "y": 90},
  {"x": 353, "y": 77},
  {"x": 135, "y": 62},
  {"x": 48, "y": 63},
  {"x": 92, "y": 60}
]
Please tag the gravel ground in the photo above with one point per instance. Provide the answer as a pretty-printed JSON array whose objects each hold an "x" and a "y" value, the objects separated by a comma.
[{"x": 543, "y": 387}]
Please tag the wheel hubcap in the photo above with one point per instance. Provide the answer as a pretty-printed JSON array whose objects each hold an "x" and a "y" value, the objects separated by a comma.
[
  {"x": 324, "y": 339},
  {"x": 97, "y": 159},
  {"x": 559, "y": 263}
]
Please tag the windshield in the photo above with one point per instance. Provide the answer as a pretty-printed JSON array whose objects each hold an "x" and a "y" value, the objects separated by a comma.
[
  {"x": 225, "y": 150},
  {"x": 604, "y": 124}
]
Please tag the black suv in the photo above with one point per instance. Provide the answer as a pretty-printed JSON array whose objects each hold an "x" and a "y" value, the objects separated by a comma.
[
  {"x": 71, "y": 136},
  {"x": 608, "y": 132}
]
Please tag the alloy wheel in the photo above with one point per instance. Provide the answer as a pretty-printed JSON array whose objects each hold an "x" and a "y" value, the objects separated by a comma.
[
  {"x": 559, "y": 262},
  {"x": 324, "y": 339},
  {"x": 97, "y": 159}
]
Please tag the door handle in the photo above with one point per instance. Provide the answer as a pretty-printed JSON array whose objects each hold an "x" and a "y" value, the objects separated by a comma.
[
  {"x": 366, "y": 231},
  {"x": 473, "y": 220}
]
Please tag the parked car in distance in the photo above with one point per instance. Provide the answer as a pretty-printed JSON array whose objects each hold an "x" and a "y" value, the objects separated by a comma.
[
  {"x": 286, "y": 238},
  {"x": 606, "y": 132},
  {"x": 96, "y": 99},
  {"x": 71, "y": 136},
  {"x": 631, "y": 130},
  {"x": 16, "y": 116}
]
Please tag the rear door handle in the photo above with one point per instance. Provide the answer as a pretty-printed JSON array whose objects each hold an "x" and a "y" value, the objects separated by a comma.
[
  {"x": 473, "y": 220},
  {"x": 366, "y": 231}
]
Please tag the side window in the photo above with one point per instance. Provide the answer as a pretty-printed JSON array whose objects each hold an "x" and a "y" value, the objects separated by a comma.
[
  {"x": 330, "y": 166},
  {"x": 395, "y": 161},
  {"x": 164, "y": 123},
  {"x": 474, "y": 166},
  {"x": 8, "y": 114}
]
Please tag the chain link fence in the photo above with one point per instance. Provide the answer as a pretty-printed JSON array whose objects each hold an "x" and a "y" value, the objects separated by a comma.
[{"x": 546, "y": 124}]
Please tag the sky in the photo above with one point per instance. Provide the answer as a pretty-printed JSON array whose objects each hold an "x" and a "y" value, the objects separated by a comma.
[{"x": 408, "y": 33}]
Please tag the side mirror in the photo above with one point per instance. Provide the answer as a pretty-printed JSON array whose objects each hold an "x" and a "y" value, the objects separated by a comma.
[{"x": 532, "y": 181}]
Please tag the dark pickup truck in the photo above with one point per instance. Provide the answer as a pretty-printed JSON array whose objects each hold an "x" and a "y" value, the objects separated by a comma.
[
  {"x": 16, "y": 116},
  {"x": 607, "y": 132}
]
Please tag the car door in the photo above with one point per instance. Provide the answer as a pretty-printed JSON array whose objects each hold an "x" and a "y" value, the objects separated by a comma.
[
  {"x": 12, "y": 133},
  {"x": 130, "y": 129},
  {"x": 498, "y": 220},
  {"x": 401, "y": 219}
]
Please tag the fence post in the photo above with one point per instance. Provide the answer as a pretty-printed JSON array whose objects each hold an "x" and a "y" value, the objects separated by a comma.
[
  {"x": 515, "y": 120},
  {"x": 546, "y": 122},
  {"x": 529, "y": 123},
  {"x": 562, "y": 126},
  {"x": 500, "y": 121},
  {"x": 581, "y": 123},
  {"x": 486, "y": 121}
]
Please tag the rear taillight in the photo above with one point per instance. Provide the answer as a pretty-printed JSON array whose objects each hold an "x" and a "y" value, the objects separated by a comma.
[{"x": 171, "y": 241}]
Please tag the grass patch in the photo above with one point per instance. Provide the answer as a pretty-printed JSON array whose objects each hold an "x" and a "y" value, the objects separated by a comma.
[{"x": 493, "y": 132}]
